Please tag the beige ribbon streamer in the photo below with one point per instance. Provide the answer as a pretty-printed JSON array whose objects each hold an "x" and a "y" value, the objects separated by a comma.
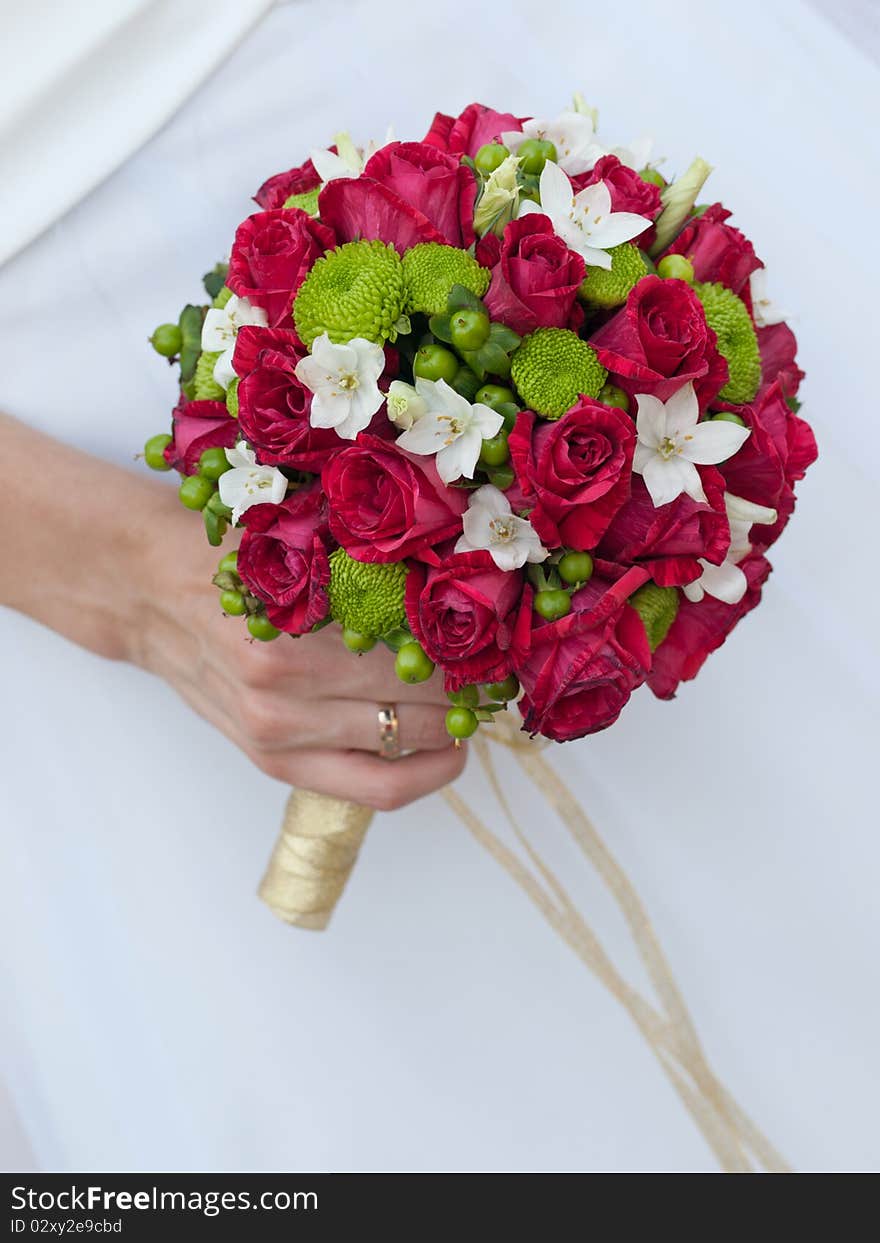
[{"x": 317, "y": 849}]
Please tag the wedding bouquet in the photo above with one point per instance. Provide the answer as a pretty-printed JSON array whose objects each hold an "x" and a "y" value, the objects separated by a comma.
[{"x": 505, "y": 399}]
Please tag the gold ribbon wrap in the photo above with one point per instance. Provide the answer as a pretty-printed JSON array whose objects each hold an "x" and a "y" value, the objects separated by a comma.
[
  {"x": 318, "y": 847},
  {"x": 313, "y": 857}
]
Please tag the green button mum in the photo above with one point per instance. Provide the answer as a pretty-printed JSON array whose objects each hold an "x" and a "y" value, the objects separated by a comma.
[
  {"x": 366, "y": 598},
  {"x": 607, "y": 289},
  {"x": 307, "y": 202},
  {"x": 356, "y": 290},
  {"x": 727, "y": 316},
  {"x": 205, "y": 387},
  {"x": 552, "y": 368},
  {"x": 431, "y": 269}
]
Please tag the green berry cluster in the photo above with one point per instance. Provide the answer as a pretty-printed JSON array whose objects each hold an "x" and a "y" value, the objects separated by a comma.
[
  {"x": 469, "y": 710},
  {"x": 557, "y": 579},
  {"x": 237, "y": 601}
]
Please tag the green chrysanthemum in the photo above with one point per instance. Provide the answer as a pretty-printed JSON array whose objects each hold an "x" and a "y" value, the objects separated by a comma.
[
  {"x": 222, "y": 297},
  {"x": 657, "y": 607},
  {"x": 552, "y": 368},
  {"x": 431, "y": 269},
  {"x": 232, "y": 396},
  {"x": 366, "y": 598},
  {"x": 356, "y": 290},
  {"x": 205, "y": 387},
  {"x": 307, "y": 202},
  {"x": 727, "y": 316},
  {"x": 607, "y": 289}
]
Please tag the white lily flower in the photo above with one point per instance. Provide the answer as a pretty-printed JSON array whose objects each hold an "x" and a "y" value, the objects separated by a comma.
[
  {"x": 347, "y": 160},
  {"x": 672, "y": 443},
  {"x": 584, "y": 221},
  {"x": 344, "y": 382},
  {"x": 636, "y": 155},
  {"x": 764, "y": 311},
  {"x": 404, "y": 405},
  {"x": 220, "y": 328},
  {"x": 490, "y": 524},
  {"x": 452, "y": 428},
  {"x": 572, "y": 134},
  {"x": 727, "y": 582},
  {"x": 249, "y": 484}
]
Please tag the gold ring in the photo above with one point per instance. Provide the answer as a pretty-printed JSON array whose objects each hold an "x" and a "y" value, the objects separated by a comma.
[{"x": 389, "y": 732}]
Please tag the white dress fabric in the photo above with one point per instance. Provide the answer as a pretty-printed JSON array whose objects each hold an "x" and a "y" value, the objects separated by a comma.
[{"x": 154, "y": 1015}]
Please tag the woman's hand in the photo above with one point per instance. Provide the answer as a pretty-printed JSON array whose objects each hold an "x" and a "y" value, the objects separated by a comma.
[{"x": 112, "y": 561}]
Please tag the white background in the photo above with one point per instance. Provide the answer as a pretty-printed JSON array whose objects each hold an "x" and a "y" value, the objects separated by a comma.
[{"x": 154, "y": 1015}]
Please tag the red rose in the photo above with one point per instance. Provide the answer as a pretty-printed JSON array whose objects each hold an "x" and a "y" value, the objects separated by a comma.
[
  {"x": 462, "y": 610},
  {"x": 271, "y": 256},
  {"x": 386, "y": 504},
  {"x": 579, "y": 672},
  {"x": 409, "y": 193},
  {"x": 282, "y": 559},
  {"x": 472, "y": 129},
  {"x": 535, "y": 277},
  {"x": 778, "y": 347},
  {"x": 574, "y": 470},
  {"x": 273, "y": 405},
  {"x": 628, "y": 191},
  {"x": 659, "y": 340},
  {"x": 669, "y": 540},
  {"x": 278, "y": 189},
  {"x": 718, "y": 251},
  {"x": 197, "y": 426},
  {"x": 699, "y": 629}
]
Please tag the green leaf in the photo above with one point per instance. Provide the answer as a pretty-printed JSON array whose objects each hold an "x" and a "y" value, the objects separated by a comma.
[
  {"x": 459, "y": 298},
  {"x": 493, "y": 359},
  {"x": 793, "y": 404},
  {"x": 215, "y": 279},
  {"x": 501, "y": 335},
  {"x": 215, "y": 527},
  {"x": 439, "y": 325},
  {"x": 395, "y": 639},
  {"x": 472, "y": 358}
]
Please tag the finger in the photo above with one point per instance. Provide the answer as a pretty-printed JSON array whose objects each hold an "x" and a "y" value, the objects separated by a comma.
[
  {"x": 366, "y": 779},
  {"x": 347, "y": 724}
]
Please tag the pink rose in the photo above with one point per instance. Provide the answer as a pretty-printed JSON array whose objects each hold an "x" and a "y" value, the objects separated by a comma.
[
  {"x": 778, "y": 347},
  {"x": 386, "y": 504},
  {"x": 197, "y": 426},
  {"x": 699, "y": 629},
  {"x": 718, "y": 251},
  {"x": 628, "y": 191},
  {"x": 283, "y": 559},
  {"x": 659, "y": 340},
  {"x": 535, "y": 277},
  {"x": 271, "y": 257},
  {"x": 463, "y": 609},
  {"x": 579, "y": 672},
  {"x": 472, "y": 129},
  {"x": 278, "y": 189},
  {"x": 669, "y": 540},
  {"x": 575, "y": 471}
]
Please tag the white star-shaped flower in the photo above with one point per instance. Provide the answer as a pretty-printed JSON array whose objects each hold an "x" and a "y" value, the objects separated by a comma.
[
  {"x": 404, "y": 405},
  {"x": 572, "y": 134},
  {"x": 764, "y": 311},
  {"x": 249, "y": 484},
  {"x": 727, "y": 582},
  {"x": 347, "y": 160},
  {"x": 220, "y": 328},
  {"x": 584, "y": 221},
  {"x": 490, "y": 524},
  {"x": 450, "y": 427},
  {"x": 636, "y": 155},
  {"x": 344, "y": 381},
  {"x": 672, "y": 443}
]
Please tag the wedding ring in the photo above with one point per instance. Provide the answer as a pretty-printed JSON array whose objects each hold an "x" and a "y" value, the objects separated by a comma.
[{"x": 389, "y": 732}]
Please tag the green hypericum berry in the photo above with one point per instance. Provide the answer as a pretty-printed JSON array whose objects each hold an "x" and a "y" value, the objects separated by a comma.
[
  {"x": 435, "y": 362},
  {"x": 494, "y": 395},
  {"x": 466, "y": 697},
  {"x": 167, "y": 340},
  {"x": 575, "y": 567},
  {"x": 501, "y": 477},
  {"x": 261, "y": 628},
  {"x": 412, "y": 664},
  {"x": 727, "y": 316},
  {"x": 213, "y": 463},
  {"x": 552, "y": 368},
  {"x": 489, "y": 157},
  {"x": 611, "y": 395},
  {"x": 607, "y": 289},
  {"x": 195, "y": 492},
  {"x": 653, "y": 177},
  {"x": 461, "y": 723},
  {"x": 431, "y": 269},
  {"x": 232, "y": 602},
  {"x": 307, "y": 202},
  {"x": 727, "y": 416},
  {"x": 154, "y": 451},
  {"x": 229, "y": 563},
  {"x": 503, "y": 692},
  {"x": 534, "y": 154},
  {"x": 495, "y": 452},
  {"x": 676, "y": 267},
  {"x": 366, "y": 597},
  {"x": 356, "y": 642},
  {"x": 553, "y": 603},
  {"x": 356, "y": 290},
  {"x": 657, "y": 607},
  {"x": 469, "y": 329}
]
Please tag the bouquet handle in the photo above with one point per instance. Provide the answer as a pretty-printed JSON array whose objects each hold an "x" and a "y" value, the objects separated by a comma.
[{"x": 316, "y": 850}]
